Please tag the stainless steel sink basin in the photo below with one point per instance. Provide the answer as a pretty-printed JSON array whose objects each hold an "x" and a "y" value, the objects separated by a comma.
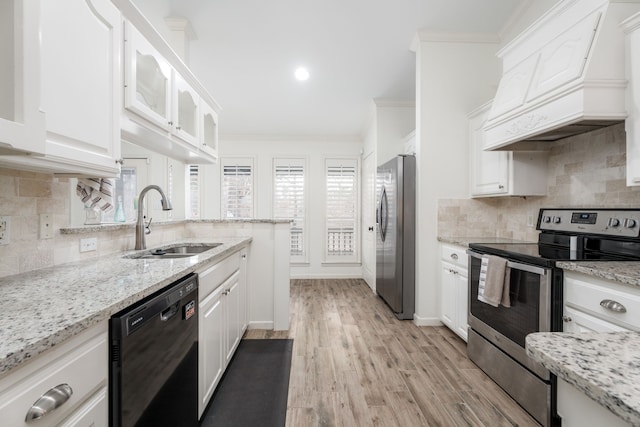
[{"x": 173, "y": 252}]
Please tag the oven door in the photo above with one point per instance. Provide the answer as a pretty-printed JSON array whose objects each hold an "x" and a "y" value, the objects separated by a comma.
[{"x": 530, "y": 311}]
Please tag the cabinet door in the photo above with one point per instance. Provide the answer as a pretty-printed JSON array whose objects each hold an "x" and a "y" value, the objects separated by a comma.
[
  {"x": 243, "y": 291},
  {"x": 210, "y": 345},
  {"x": 21, "y": 121},
  {"x": 147, "y": 80},
  {"x": 489, "y": 169},
  {"x": 462, "y": 304},
  {"x": 93, "y": 413},
  {"x": 185, "y": 111},
  {"x": 209, "y": 130},
  {"x": 80, "y": 53},
  {"x": 232, "y": 312},
  {"x": 448, "y": 294}
]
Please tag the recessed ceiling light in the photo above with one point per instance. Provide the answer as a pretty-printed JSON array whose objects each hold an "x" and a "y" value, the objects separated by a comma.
[{"x": 302, "y": 74}]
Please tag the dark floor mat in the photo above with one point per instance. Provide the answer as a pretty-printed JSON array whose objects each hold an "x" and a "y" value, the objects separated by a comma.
[{"x": 254, "y": 389}]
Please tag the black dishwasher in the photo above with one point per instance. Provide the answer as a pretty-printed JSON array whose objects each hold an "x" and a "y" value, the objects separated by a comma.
[{"x": 153, "y": 375}]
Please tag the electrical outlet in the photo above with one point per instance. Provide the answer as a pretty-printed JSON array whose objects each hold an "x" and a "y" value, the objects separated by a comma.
[
  {"x": 46, "y": 226},
  {"x": 88, "y": 244},
  {"x": 5, "y": 227},
  {"x": 530, "y": 219}
]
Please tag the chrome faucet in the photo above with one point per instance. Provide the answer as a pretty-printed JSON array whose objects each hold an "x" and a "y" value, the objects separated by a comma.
[{"x": 141, "y": 228}]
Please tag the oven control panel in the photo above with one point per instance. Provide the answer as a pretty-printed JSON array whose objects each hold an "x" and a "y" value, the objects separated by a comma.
[{"x": 609, "y": 222}]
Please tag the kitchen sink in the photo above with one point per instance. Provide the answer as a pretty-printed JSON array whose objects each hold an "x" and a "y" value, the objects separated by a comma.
[{"x": 173, "y": 252}]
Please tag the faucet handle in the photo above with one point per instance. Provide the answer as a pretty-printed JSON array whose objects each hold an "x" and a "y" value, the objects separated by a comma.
[{"x": 147, "y": 229}]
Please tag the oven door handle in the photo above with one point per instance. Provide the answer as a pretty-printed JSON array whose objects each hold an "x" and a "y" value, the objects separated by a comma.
[{"x": 515, "y": 265}]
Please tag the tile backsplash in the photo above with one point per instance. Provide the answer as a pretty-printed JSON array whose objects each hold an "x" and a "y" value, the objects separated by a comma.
[{"x": 587, "y": 170}]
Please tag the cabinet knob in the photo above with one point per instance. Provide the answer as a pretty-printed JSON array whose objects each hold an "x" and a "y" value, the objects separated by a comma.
[
  {"x": 226, "y": 292},
  {"x": 49, "y": 401},
  {"x": 566, "y": 319},
  {"x": 500, "y": 187},
  {"x": 170, "y": 123},
  {"x": 120, "y": 161},
  {"x": 178, "y": 128}
]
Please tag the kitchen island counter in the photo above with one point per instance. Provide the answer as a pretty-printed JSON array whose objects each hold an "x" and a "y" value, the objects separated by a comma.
[
  {"x": 624, "y": 272},
  {"x": 42, "y": 308}
]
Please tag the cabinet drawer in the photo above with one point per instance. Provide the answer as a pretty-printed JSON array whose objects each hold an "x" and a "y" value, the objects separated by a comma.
[
  {"x": 84, "y": 369},
  {"x": 94, "y": 412},
  {"x": 455, "y": 255},
  {"x": 590, "y": 294},
  {"x": 212, "y": 277}
]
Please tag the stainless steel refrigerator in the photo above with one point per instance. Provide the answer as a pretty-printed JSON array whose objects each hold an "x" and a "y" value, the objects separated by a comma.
[{"x": 396, "y": 236}]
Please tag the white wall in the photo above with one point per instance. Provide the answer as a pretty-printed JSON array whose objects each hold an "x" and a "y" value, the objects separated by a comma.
[
  {"x": 263, "y": 152},
  {"x": 394, "y": 121},
  {"x": 455, "y": 73}
]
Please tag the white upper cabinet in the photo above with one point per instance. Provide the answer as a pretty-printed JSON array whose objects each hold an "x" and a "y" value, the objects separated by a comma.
[
  {"x": 632, "y": 124},
  {"x": 164, "y": 111},
  {"x": 81, "y": 74},
  {"x": 21, "y": 121},
  {"x": 147, "y": 80},
  {"x": 209, "y": 129},
  {"x": 186, "y": 111},
  {"x": 59, "y": 98},
  {"x": 502, "y": 173}
]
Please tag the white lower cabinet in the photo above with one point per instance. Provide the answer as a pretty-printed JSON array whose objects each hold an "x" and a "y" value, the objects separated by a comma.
[
  {"x": 223, "y": 320},
  {"x": 586, "y": 299},
  {"x": 453, "y": 291},
  {"x": 73, "y": 374}
]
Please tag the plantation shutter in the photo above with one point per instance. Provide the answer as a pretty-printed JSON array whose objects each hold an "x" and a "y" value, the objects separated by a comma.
[
  {"x": 341, "y": 210},
  {"x": 237, "y": 190},
  {"x": 193, "y": 182},
  {"x": 289, "y": 202}
]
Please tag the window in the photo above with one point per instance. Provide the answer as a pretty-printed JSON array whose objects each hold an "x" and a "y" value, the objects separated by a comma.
[
  {"x": 237, "y": 188},
  {"x": 193, "y": 191},
  {"x": 289, "y": 202},
  {"x": 341, "y": 210}
]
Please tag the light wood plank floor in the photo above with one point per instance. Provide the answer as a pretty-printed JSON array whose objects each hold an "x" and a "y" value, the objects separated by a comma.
[{"x": 355, "y": 364}]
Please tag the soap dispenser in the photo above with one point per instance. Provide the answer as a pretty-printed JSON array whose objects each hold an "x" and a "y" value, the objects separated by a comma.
[{"x": 119, "y": 215}]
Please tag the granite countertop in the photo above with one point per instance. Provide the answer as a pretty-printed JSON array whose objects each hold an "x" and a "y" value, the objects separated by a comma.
[
  {"x": 625, "y": 272},
  {"x": 43, "y": 308},
  {"x": 465, "y": 241},
  {"x": 605, "y": 366}
]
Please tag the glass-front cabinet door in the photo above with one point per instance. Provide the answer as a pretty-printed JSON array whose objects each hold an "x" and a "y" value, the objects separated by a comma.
[
  {"x": 209, "y": 135},
  {"x": 21, "y": 122},
  {"x": 147, "y": 80},
  {"x": 186, "y": 102}
]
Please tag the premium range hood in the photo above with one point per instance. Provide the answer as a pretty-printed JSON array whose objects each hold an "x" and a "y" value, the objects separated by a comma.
[{"x": 562, "y": 76}]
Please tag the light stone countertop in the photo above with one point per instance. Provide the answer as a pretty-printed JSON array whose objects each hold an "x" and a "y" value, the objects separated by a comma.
[
  {"x": 465, "y": 241},
  {"x": 43, "y": 308},
  {"x": 605, "y": 366},
  {"x": 130, "y": 225},
  {"x": 625, "y": 272}
]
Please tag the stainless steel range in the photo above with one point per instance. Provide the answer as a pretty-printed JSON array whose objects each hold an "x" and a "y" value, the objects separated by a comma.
[{"x": 497, "y": 334}]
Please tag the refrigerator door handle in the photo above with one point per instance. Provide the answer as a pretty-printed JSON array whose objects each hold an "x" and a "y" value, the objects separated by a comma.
[{"x": 384, "y": 214}]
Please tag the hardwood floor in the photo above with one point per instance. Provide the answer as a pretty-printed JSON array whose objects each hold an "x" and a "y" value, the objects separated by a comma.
[{"x": 355, "y": 364}]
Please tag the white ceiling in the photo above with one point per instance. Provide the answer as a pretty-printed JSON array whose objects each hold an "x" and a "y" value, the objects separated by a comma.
[{"x": 356, "y": 50}]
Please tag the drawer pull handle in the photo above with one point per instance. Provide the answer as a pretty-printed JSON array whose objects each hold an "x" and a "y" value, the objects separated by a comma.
[
  {"x": 454, "y": 256},
  {"x": 49, "y": 401},
  {"x": 613, "y": 306}
]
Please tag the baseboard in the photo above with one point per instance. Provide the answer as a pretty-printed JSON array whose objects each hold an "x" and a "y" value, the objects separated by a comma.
[
  {"x": 426, "y": 321},
  {"x": 267, "y": 324},
  {"x": 327, "y": 276}
]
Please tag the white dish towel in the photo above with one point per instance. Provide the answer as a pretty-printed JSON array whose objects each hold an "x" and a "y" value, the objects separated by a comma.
[
  {"x": 493, "y": 286},
  {"x": 96, "y": 192}
]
